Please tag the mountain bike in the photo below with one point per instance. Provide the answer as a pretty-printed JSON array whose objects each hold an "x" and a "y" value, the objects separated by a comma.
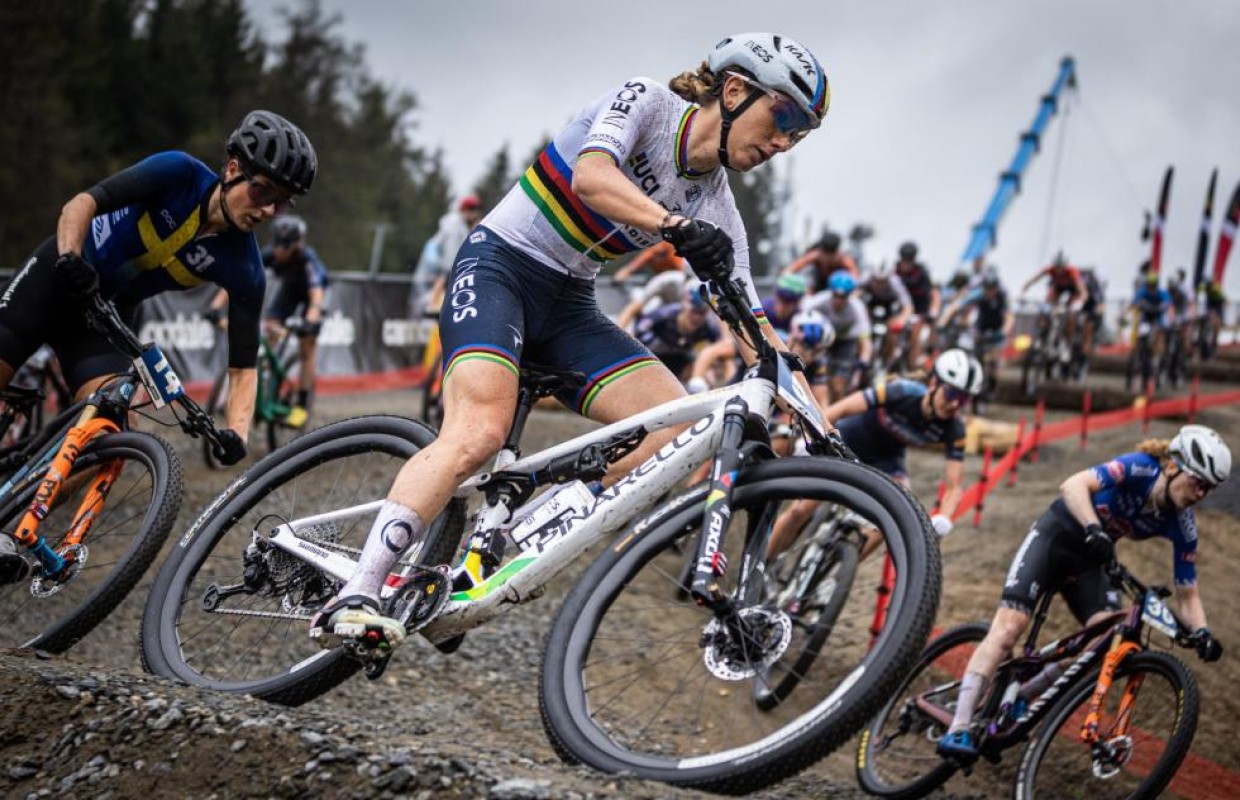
[
  {"x": 1142, "y": 357},
  {"x": 275, "y": 406},
  {"x": 1050, "y": 353},
  {"x": 89, "y": 502},
  {"x": 637, "y": 675},
  {"x": 811, "y": 583},
  {"x": 37, "y": 389},
  {"x": 1116, "y": 723}
]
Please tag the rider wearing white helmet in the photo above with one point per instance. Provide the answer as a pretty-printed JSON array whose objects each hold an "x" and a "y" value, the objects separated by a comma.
[
  {"x": 638, "y": 164},
  {"x": 1145, "y": 494}
]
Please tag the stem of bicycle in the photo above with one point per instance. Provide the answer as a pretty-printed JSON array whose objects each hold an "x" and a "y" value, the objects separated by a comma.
[
  {"x": 88, "y": 427},
  {"x": 1120, "y": 649}
]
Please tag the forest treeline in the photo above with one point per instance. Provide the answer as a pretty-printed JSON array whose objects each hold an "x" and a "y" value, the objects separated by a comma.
[{"x": 88, "y": 87}]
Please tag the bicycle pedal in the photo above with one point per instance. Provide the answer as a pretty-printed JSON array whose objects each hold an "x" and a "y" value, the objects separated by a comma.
[{"x": 373, "y": 670}]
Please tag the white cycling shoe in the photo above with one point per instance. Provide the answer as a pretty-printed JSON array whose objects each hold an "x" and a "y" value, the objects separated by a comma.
[{"x": 356, "y": 621}]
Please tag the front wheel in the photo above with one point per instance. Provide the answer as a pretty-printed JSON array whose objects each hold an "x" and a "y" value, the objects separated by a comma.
[
  {"x": 1137, "y": 753},
  {"x": 225, "y": 616},
  {"x": 636, "y": 678},
  {"x": 896, "y": 756},
  {"x": 129, "y": 527}
]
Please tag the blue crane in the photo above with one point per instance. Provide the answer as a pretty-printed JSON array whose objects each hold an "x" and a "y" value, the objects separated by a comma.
[{"x": 985, "y": 232}]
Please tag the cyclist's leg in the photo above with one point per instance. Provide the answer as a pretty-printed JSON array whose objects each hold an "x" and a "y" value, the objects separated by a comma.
[{"x": 307, "y": 352}]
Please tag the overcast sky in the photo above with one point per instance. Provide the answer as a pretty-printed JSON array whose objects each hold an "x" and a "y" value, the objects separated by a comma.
[{"x": 927, "y": 102}]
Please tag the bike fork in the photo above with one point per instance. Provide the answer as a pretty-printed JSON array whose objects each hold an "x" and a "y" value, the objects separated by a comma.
[
  {"x": 710, "y": 562},
  {"x": 53, "y": 563},
  {"x": 1118, "y": 652}
]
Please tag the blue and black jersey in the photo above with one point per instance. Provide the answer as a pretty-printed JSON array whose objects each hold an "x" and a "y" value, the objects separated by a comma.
[
  {"x": 893, "y": 421},
  {"x": 1125, "y": 508},
  {"x": 146, "y": 239}
]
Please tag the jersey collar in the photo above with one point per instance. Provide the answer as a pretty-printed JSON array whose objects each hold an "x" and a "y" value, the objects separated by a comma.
[{"x": 681, "y": 146}]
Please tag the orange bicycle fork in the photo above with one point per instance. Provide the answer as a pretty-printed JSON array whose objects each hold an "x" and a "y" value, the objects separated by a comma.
[
  {"x": 55, "y": 561},
  {"x": 1089, "y": 729}
]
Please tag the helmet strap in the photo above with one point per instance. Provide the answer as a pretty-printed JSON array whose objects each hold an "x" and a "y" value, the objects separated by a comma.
[
  {"x": 224, "y": 187},
  {"x": 728, "y": 115}
]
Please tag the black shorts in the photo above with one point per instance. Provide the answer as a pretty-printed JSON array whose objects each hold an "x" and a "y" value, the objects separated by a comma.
[
  {"x": 1052, "y": 558},
  {"x": 503, "y": 306},
  {"x": 34, "y": 310}
]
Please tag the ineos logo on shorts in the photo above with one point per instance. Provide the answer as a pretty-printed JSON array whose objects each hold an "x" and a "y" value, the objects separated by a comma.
[{"x": 463, "y": 294}]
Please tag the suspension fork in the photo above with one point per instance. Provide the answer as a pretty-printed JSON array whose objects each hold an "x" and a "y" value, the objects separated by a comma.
[
  {"x": 88, "y": 427},
  {"x": 1119, "y": 650},
  {"x": 710, "y": 562}
]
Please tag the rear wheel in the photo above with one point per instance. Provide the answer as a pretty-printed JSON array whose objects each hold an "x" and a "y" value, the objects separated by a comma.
[
  {"x": 254, "y": 640},
  {"x": 637, "y": 680},
  {"x": 896, "y": 756},
  {"x": 1136, "y": 761},
  {"x": 124, "y": 538}
]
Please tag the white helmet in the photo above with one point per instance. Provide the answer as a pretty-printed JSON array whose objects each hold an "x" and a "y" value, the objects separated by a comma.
[
  {"x": 779, "y": 63},
  {"x": 958, "y": 369},
  {"x": 815, "y": 330},
  {"x": 1202, "y": 452}
]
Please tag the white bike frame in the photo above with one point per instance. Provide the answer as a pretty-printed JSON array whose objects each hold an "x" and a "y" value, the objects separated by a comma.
[{"x": 523, "y": 577}]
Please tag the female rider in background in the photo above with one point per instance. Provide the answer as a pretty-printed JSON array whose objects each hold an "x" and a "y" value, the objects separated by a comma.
[
  {"x": 1140, "y": 495},
  {"x": 639, "y": 163}
]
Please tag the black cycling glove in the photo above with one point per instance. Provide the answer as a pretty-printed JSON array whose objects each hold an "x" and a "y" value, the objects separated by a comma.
[
  {"x": 76, "y": 275},
  {"x": 228, "y": 448},
  {"x": 1098, "y": 545},
  {"x": 704, "y": 245},
  {"x": 1208, "y": 648}
]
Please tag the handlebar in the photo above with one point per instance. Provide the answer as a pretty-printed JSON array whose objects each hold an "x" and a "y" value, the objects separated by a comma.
[{"x": 151, "y": 367}]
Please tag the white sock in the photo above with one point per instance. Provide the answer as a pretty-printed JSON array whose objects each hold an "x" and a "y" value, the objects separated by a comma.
[
  {"x": 971, "y": 686},
  {"x": 395, "y": 528}
]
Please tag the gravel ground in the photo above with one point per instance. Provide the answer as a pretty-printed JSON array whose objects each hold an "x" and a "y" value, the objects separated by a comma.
[{"x": 91, "y": 724}]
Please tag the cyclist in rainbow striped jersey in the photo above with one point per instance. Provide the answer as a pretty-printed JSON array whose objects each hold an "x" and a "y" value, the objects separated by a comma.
[{"x": 640, "y": 163}]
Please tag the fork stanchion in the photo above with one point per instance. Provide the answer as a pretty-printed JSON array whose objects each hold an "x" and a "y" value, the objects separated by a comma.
[
  {"x": 1038, "y": 411},
  {"x": 983, "y": 486},
  {"x": 1086, "y": 404},
  {"x": 1020, "y": 448},
  {"x": 1192, "y": 398}
]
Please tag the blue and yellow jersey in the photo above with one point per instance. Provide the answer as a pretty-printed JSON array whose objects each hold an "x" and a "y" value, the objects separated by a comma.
[{"x": 147, "y": 237}]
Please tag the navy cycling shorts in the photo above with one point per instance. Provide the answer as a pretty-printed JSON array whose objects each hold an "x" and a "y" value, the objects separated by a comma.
[
  {"x": 504, "y": 306},
  {"x": 1052, "y": 558}
]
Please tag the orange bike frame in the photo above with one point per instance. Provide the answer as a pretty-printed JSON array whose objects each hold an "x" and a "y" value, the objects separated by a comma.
[
  {"x": 1119, "y": 651},
  {"x": 88, "y": 428}
]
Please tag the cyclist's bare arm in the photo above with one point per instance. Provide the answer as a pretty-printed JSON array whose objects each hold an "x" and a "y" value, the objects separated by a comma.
[
  {"x": 242, "y": 390},
  {"x": 314, "y": 304},
  {"x": 603, "y": 187},
  {"x": 74, "y": 223},
  {"x": 1077, "y": 492},
  {"x": 953, "y": 487},
  {"x": 1188, "y": 603},
  {"x": 847, "y": 406}
]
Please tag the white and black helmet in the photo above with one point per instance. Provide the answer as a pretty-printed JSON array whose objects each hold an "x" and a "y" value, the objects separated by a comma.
[
  {"x": 1202, "y": 452},
  {"x": 958, "y": 369},
  {"x": 779, "y": 63},
  {"x": 813, "y": 329}
]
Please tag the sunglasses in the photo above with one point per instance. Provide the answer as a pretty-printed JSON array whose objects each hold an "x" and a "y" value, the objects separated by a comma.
[
  {"x": 790, "y": 118},
  {"x": 954, "y": 395},
  {"x": 265, "y": 194},
  {"x": 1201, "y": 485}
]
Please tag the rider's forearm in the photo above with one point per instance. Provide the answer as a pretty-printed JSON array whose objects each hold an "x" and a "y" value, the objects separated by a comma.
[
  {"x": 1188, "y": 602},
  {"x": 242, "y": 389},
  {"x": 603, "y": 187},
  {"x": 74, "y": 222}
]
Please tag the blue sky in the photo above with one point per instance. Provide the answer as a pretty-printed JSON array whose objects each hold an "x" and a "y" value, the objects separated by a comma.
[{"x": 928, "y": 101}]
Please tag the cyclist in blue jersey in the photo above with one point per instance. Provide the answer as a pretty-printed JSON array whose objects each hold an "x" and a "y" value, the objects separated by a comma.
[
  {"x": 640, "y": 163},
  {"x": 881, "y": 422},
  {"x": 168, "y": 223},
  {"x": 1141, "y": 495},
  {"x": 1154, "y": 312}
]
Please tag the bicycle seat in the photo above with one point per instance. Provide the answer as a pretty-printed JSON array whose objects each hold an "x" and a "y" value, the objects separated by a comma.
[{"x": 544, "y": 381}]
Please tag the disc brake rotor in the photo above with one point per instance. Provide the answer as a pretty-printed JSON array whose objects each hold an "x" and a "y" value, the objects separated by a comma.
[{"x": 770, "y": 633}]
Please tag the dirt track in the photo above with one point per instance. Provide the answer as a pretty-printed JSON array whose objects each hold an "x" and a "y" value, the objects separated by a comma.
[{"x": 467, "y": 725}]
